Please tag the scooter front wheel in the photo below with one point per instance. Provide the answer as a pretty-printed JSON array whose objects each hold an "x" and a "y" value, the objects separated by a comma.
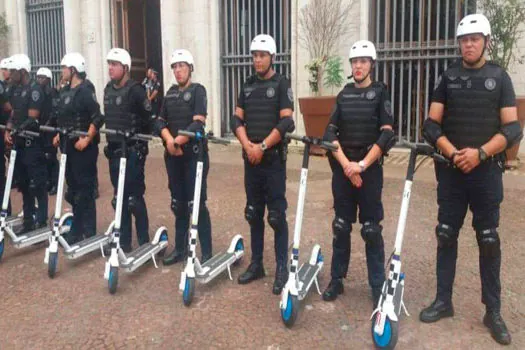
[
  {"x": 113, "y": 279},
  {"x": 289, "y": 314},
  {"x": 189, "y": 291},
  {"x": 52, "y": 264},
  {"x": 388, "y": 339}
]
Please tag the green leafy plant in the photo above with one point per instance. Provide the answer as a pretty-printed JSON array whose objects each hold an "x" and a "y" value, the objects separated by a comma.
[
  {"x": 506, "y": 18},
  {"x": 4, "y": 31},
  {"x": 334, "y": 74}
]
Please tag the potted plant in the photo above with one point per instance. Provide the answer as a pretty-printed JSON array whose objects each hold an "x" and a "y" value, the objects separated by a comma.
[
  {"x": 323, "y": 24},
  {"x": 506, "y": 18}
]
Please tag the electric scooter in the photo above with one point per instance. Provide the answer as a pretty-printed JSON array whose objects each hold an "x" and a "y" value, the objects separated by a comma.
[
  {"x": 300, "y": 280},
  {"x": 78, "y": 249},
  {"x": 220, "y": 262},
  {"x": 385, "y": 318},
  {"x": 141, "y": 255},
  {"x": 7, "y": 224}
]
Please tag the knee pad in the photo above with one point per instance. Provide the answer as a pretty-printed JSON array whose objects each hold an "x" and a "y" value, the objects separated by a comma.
[
  {"x": 179, "y": 208},
  {"x": 341, "y": 227},
  {"x": 371, "y": 233},
  {"x": 276, "y": 219},
  {"x": 446, "y": 235},
  {"x": 489, "y": 243},
  {"x": 251, "y": 214},
  {"x": 114, "y": 203},
  {"x": 34, "y": 188}
]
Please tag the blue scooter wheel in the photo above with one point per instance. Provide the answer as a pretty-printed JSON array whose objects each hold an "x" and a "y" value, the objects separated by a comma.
[
  {"x": 113, "y": 279},
  {"x": 52, "y": 264},
  {"x": 189, "y": 291},
  {"x": 1, "y": 249},
  {"x": 289, "y": 314},
  {"x": 388, "y": 339}
]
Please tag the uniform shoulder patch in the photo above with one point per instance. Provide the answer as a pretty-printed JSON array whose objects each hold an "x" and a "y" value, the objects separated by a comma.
[
  {"x": 289, "y": 92},
  {"x": 35, "y": 95}
]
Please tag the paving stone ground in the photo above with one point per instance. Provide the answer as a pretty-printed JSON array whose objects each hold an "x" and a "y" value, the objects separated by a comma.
[{"x": 75, "y": 310}]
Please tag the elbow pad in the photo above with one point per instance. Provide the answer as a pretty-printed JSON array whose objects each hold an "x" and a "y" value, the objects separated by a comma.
[
  {"x": 236, "y": 122},
  {"x": 512, "y": 132},
  {"x": 386, "y": 140},
  {"x": 158, "y": 125},
  {"x": 330, "y": 134},
  {"x": 286, "y": 124},
  {"x": 97, "y": 120},
  {"x": 432, "y": 131}
]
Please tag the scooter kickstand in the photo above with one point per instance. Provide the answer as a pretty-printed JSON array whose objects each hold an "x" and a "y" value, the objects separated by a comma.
[
  {"x": 404, "y": 308},
  {"x": 317, "y": 286},
  {"x": 230, "y": 273},
  {"x": 102, "y": 250},
  {"x": 154, "y": 261}
]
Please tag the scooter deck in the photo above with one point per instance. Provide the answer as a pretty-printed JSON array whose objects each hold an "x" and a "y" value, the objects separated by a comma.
[
  {"x": 14, "y": 220},
  {"x": 142, "y": 254},
  {"x": 87, "y": 246},
  {"x": 215, "y": 266},
  {"x": 307, "y": 274},
  {"x": 32, "y": 237}
]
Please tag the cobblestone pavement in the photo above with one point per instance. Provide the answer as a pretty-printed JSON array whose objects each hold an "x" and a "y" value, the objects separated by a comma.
[{"x": 75, "y": 310}]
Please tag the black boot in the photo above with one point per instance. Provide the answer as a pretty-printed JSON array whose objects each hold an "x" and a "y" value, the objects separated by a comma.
[
  {"x": 205, "y": 258},
  {"x": 335, "y": 287},
  {"x": 281, "y": 276},
  {"x": 376, "y": 294},
  {"x": 174, "y": 257},
  {"x": 254, "y": 272},
  {"x": 436, "y": 311},
  {"x": 498, "y": 329}
]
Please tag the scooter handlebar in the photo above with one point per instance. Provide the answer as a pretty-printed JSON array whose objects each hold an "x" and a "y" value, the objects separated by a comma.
[
  {"x": 127, "y": 134},
  {"x": 72, "y": 133},
  {"x": 198, "y": 135},
  {"x": 426, "y": 150},
  {"x": 313, "y": 141}
]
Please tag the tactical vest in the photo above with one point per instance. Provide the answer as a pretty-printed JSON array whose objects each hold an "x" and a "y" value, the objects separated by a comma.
[
  {"x": 47, "y": 106},
  {"x": 472, "y": 113},
  {"x": 118, "y": 109},
  {"x": 20, "y": 103},
  {"x": 180, "y": 107},
  {"x": 261, "y": 107},
  {"x": 359, "y": 116},
  {"x": 69, "y": 115}
]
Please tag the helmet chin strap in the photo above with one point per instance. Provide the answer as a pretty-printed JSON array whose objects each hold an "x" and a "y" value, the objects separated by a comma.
[
  {"x": 367, "y": 75},
  {"x": 118, "y": 81},
  {"x": 480, "y": 57}
]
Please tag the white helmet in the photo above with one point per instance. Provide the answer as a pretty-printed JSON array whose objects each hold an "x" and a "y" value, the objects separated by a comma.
[
  {"x": 119, "y": 55},
  {"x": 46, "y": 72},
  {"x": 263, "y": 42},
  {"x": 20, "y": 61},
  {"x": 363, "y": 48},
  {"x": 182, "y": 55},
  {"x": 75, "y": 60},
  {"x": 4, "y": 64},
  {"x": 473, "y": 24}
]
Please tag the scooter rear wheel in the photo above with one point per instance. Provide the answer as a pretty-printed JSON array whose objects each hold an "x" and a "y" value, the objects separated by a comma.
[
  {"x": 189, "y": 291},
  {"x": 113, "y": 279},
  {"x": 290, "y": 313},
  {"x": 388, "y": 339},
  {"x": 52, "y": 265}
]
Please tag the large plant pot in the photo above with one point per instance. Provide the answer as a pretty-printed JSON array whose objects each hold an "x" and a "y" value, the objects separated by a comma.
[
  {"x": 512, "y": 153},
  {"x": 316, "y": 115}
]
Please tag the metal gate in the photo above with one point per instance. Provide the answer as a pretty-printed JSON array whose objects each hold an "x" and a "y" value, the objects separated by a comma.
[
  {"x": 241, "y": 20},
  {"x": 415, "y": 43},
  {"x": 45, "y": 35}
]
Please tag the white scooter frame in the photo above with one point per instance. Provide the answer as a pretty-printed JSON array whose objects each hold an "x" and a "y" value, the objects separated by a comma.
[
  {"x": 145, "y": 252},
  {"x": 80, "y": 248},
  {"x": 7, "y": 224},
  {"x": 218, "y": 263},
  {"x": 385, "y": 317},
  {"x": 301, "y": 279}
]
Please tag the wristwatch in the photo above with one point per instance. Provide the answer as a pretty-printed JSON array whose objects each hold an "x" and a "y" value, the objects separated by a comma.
[
  {"x": 263, "y": 146},
  {"x": 362, "y": 165},
  {"x": 482, "y": 155},
  {"x": 176, "y": 145},
  {"x": 455, "y": 153}
]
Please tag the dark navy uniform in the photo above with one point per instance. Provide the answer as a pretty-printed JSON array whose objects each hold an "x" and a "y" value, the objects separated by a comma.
[
  {"x": 265, "y": 183},
  {"x": 77, "y": 110},
  {"x": 4, "y": 117},
  {"x": 473, "y": 99},
  {"x": 358, "y": 116},
  {"x": 128, "y": 109},
  {"x": 49, "y": 117},
  {"x": 178, "y": 110},
  {"x": 30, "y": 166}
]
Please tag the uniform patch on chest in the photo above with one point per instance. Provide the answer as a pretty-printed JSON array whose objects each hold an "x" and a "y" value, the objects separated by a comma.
[
  {"x": 370, "y": 95},
  {"x": 187, "y": 96},
  {"x": 118, "y": 100},
  {"x": 490, "y": 84},
  {"x": 270, "y": 92},
  {"x": 67, "y": 100}
]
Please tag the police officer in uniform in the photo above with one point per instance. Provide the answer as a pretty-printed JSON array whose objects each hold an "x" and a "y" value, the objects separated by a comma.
[
  {"x": 27, "y": 101},
  {"x": 79, "y": 110},
  {"x": 361, "y": 125},
  {"x": 472, "y": 120},
  {"x": 262, "y": 118},
  {"x": 185, "y": 107},
  {"x": 48, "y": 117},
  {"x": 127, "y": 108},
  {"x": 5, "y": 112}
]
